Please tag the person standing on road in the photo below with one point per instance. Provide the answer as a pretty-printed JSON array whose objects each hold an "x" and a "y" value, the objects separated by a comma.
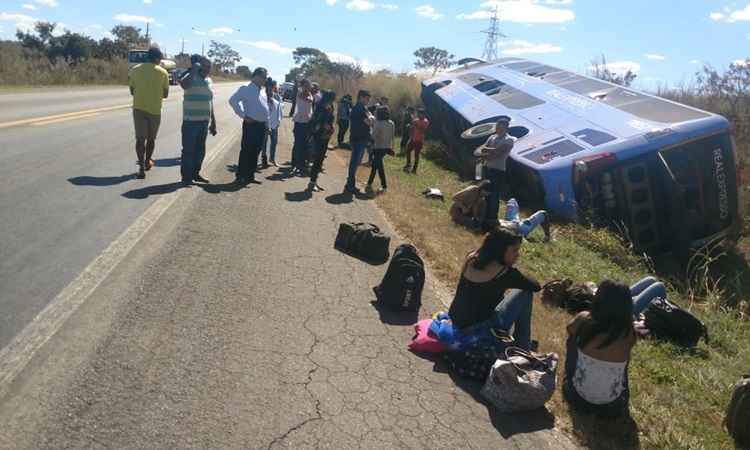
[
  {"x": 149, "y": 86},
  {"x": 250, "y": 103},
  {"x": 302, "y": 116},
  {"x": 321, "y": 130},
  {"x": 416, "y": 140},
  {"x": 359, "y": 138},
  {"x": 495, "y": 153},
  {"x": 197, "y": 112},
  {"x": 276, "y": 111},
  {"x": 382, "y": 135},
  {"x": 344, "y": 113}
]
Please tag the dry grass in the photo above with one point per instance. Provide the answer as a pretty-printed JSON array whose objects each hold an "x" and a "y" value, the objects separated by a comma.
[{"x": 678, "y": 396}]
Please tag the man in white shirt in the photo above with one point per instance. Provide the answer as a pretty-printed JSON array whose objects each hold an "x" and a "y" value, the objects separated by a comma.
[
  {"x": 250, "y": 103},
  {"x": 495, "y": 153},
  {"x": 302, "y": 115}
]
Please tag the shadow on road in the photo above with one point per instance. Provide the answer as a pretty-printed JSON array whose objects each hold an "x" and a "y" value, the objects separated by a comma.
[
  {"x": 101, "y": 181},
  {"x": 340, "y": 198},
  {"x": 600, "y": 434},
  {"x": 399, "y": 318},
  {"x": 224, "y": 187},
  {"x": 282, "y": 174},
  {"x": 167, "y": 162},
  {"x": 159, "y": 189},
  {"x": 301, "y": 196}
]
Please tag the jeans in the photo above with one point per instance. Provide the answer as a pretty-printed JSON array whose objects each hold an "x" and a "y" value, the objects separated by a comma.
[
  {"x": 194, "y": 134},
  {"x": 299, "y": 150},
  {"x": 253, "y": 134},
  {"x": 378, "y": 167},
  {"x": 321, "y": 148},
  {"x": 269, "y": 146},
  {"x": 358, "y": 150},
  {"x": 513, "y": 312},
  {"x": 512, "y": 213},
  {"x": 645, "y": 291},
  {"x": 343, "y": 128},
  {"x": 497, "y": 184}
]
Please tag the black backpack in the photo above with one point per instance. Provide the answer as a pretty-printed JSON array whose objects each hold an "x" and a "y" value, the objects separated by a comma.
[
  {"x": 363, "y": 240},
  {"x": 666, "y": 320},
  {"x": 401, "y": 288},
  {"x": 737, "y": 420}
]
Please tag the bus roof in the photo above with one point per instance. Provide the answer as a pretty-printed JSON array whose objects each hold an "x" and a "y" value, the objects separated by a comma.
[{"x": 548, "y": 97}]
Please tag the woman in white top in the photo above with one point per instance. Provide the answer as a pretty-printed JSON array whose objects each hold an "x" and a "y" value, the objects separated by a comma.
[
  {"x": 599, "y": 347},
  {"x": 382, "y": 135}
]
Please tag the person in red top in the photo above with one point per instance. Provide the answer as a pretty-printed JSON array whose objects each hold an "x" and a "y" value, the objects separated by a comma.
[{"x": 418, "y": 129}]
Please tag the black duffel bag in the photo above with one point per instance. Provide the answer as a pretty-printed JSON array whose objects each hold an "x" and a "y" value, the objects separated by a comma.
[
  {"x": 668, "y": 321},
  {"x": 363, "y": 240},
  {"x": 402, "y": 285}
]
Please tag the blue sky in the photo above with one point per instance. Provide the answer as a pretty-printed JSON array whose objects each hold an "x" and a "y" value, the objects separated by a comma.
[{"x": 665, "y": 41}]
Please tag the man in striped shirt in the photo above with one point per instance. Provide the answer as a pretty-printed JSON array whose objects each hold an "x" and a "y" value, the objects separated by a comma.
[{"x": 197, "y": 118}]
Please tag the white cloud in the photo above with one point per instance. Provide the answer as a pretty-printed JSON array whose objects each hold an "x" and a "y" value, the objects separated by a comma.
[
  {"x": 330, "y": 2},
  {"x": 741, "y": 62},
  {"x": 694, "y": 61},
  {"x": 655, "y": 56},
  {"x": 621, "y": 67},
  {"x": 148, "y": 2},
  {"x": 389, "y": 6},
  {"x": 267, "y": 45},
  {"x": 28, "y": 6},
  {"x": 22, "y": 22},
  {"x": 360, "y": 5},
  {"x": 429, "y": 12},
  {"x": 50, "y": 3},
  {"x": 558, "y": 2},
  {"x": 221, "y": 30},
  {"x": 129, "y": 18},
  {"x": 519, "y": 47},
  {"x": 523, "y": 11},
  {"x": 366, "y": 65},
  {"x": 730, "y": 16},
  {"x": 200, "y": 33}
]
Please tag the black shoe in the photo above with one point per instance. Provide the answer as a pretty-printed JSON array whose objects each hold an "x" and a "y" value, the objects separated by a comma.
[
  {"x": 240, "y": 180},
  {"x": 141, "y": 174},
  {"x": 200, "y": 179},
  {"x": 252, "y": 180},
  {"x": 187, "y": 183}
]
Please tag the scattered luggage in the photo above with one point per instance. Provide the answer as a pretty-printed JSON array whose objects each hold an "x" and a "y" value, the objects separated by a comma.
[
  {"x": 434, "y": 193},
  {"x": 668, "y": 321},
  {"x": 524, "y": 381},
  {"x": 737, "y": 421},
  {"x": 475, "y": 362},
  {"x": 424, "y": 341},
  {"x": 363, "y": 240},
  {"x": 402, "y": 285},
  {"x": 565, "y": 294}
]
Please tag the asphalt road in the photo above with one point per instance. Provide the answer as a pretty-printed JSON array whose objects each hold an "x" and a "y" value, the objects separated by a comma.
[{"x": 67, "y": 164}]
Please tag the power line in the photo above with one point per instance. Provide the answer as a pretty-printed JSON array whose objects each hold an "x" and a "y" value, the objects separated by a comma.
[{"x": 493, "y": 36}]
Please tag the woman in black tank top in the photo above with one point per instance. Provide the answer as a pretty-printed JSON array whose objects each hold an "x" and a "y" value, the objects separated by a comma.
[{"x": 481, "y": 301}]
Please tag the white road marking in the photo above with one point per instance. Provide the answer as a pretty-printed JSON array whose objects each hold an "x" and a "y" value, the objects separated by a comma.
[{"x": 17, "y": 354}]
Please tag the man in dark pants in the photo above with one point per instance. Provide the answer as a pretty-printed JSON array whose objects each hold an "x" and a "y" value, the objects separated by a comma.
[
  {"x": 250, "y": 103},
  {"x": 359, "y": 138},
  {"x": 344, "y": 112},
  {"x": 495, "y": 153},
  {"x": 197, "y": 118},
  {"x": 303, "y": 113}
]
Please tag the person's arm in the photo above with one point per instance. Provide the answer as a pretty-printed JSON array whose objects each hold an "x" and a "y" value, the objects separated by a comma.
[
  {"x": 575, "y": 324},
  {"x": 234, "y": 102},
  {"x": 187, "y": 79},
  {"x": 212, "y": 126},
  {"x": 165, "y": 84},
  {"x": 521, "y": 281},
  {"x": 501, "y": 151}
]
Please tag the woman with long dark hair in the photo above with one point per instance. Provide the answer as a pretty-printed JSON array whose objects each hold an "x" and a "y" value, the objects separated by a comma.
[
  {"x": 481, "y": 300},
  {"x": 321, "y": 130},
  {"x": 600, "y": 342}
]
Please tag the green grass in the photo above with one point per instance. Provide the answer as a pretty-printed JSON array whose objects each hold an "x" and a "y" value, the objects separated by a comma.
[{"x": 678, "y": 396}]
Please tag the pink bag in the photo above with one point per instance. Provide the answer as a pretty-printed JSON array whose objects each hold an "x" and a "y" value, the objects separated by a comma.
[{"x": 423, "y": 341}]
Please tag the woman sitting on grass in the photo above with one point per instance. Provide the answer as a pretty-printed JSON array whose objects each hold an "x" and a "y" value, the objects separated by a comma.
[
  {"x": 487, "y": 274},
  {"x": 599, "y": 345}
]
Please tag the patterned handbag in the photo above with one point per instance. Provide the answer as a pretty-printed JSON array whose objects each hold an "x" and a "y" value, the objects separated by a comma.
[{"x": 523, "y": 382}]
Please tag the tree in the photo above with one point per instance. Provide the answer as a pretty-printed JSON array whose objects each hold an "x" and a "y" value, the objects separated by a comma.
[
  {"x": 72, "y": 47},
  {"x": 44, "y": 32},
  {"x": 433, "y": 58},
  {"x": 731, "y": 93},
  {"x": 224, "y": 57},
  {"x": 600, "y": 69},
  {"x": 244, "y": 72},
  {"x": 345, "y": 73},
  {"x": 108, "y": 49},
  {"x": 129, "y": 37}
]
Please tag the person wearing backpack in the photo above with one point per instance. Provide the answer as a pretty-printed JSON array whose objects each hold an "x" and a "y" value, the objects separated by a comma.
[
  {"x": 599, "y": 346},
  {"x": 492, "y": 294}
]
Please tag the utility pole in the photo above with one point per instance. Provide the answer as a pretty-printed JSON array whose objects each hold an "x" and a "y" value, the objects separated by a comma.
[
  {"x": 493, "y": 35},
  {"x": 148, "y": 38},
  {"x": 182, "y": 52}
]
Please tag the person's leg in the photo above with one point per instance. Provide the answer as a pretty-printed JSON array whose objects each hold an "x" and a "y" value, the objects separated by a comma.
[
  {"x": 274, "y": 142},
  {"x": 153, "y": 130},
  {"x": 187, "y": 162},
  {"x": 515, "y": 312},
  {"x": 381, "y": 170},
  {"x": 200, "y": 149},
  {"x": 459, "y": 218},
  {"x": 358, "y": 149},
  {"x": 243, "y": 165},
  {"x": 321, "y": 147},
  {"x": 409, "y": 149},
  {"x": 263, "y": 153},
  {"x": 343, "y": 130},
  {"x": 373, "y": 170},
  {"x": 417, "y": 153},
  {"x": 641, "y": 285},
  {"x": 295, "y": 145},
  {"x": 258, "y": 132},
  {"x": 493, "y": 200},
  {"x": 141, "y": 131},
  {"x": 642, "y": 300}
]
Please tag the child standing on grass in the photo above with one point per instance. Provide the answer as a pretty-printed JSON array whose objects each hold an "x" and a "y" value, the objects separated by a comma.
[
  {"x": 383, "y": 133},
  {"x": 416, "y": 140}
]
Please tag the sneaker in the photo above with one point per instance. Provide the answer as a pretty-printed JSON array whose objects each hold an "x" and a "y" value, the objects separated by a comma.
[
  {"x": 141, "y": 174},
  {"x": 382, "y": 190},
  {"x": 273, "y": 163},
  {"x": 317, "y": 188},
  {"x": 200, "y": 179}
]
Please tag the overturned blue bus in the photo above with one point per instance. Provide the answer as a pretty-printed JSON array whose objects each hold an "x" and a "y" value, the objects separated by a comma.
[{"x": 665, "y": 172}]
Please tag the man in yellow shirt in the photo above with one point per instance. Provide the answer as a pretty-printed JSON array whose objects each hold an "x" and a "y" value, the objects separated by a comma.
[{"x": 149, "y": 86}]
